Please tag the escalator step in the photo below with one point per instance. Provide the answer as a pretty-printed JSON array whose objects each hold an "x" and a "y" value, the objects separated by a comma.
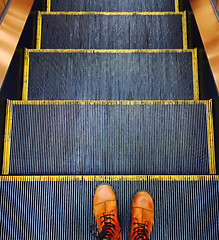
[
  {"x": 109, "y": 137},
  {"x": 114, "y": 5},
  {"x": 111, "y": 31},
  {"x": 111, "y": 75},
  {"x": 53, "y": 207}
]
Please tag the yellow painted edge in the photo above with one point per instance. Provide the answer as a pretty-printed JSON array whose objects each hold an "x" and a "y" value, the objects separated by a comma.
[
  {"x": 211, "y": 149},
  {"x": 184, "y": 28},
  {"x": 108, "y": 102},
  {"x": 11, "y": 103},
  {"x": 48, "y": 6},
  {"x": 111, "y": 13},
  {"x": 27, "y": 51},
  {"x": 7, "y": 138},
  {"x": 110, "y": 50},
  {"x": 25, "y": 75},
  {"x": 110, "y": 178},
  {"x": 195, "y": 74},
  {"x": 39, "y": 30},
  {"x": 176, "y": 6}
]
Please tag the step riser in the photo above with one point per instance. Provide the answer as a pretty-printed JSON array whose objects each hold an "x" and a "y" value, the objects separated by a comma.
[
  {"x": 110, "y": 139},
  {"x": 114, "y": 5},
  {"x": 110, "y": 75},
  {"x": 111, "y": 31},
  {"x": 64, "y": 210}
]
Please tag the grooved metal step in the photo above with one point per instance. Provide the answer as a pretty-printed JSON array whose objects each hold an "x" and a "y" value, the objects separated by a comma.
[
  {"x": 109, "y": 30},
  {"x": 53, "y": 207},
  {"x": 109, "y": 137},
  {"x": 114, "y": 5},
  {"x": 111, "y": 75}
]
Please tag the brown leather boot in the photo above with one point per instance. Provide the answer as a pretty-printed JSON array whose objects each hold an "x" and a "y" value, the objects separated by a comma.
[
  {"x": 105, "y": 212},
  {"x": 142, "y": 217}
]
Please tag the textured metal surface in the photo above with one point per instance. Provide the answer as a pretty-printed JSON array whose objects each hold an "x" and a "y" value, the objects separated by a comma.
[
  {"x": 110, "y": 76},
  {"x": 109, "y": 139},
  {"x": 113, "y": 5},
  {"x": 112, "y": 31},
  {"x": 64, "y": 210}
]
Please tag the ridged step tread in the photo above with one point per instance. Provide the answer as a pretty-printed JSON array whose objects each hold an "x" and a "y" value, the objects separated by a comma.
[
  {"x": 113, "y": 5},
  {"x": 61, "y": 207},
  {"x": 110, "y": 30},
  {"x": 109, "y": 137},
  {"x": 110, "y": 75}
]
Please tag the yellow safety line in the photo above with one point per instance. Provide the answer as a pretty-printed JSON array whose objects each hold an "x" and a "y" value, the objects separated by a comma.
[
  {"x": 113, "y": 102},
  {"x": 212, "y": 164},
  {"x": 48, "y": 6},
  {"x": 109, "y": 102},
  {"x": 110, "y": 50},
  {"x": 7, "y": 138},
  {"x": 110, "y": 178},
  {"x": 195, "y": 74},
  {"x": 184, "y": 29},
  {"x": 39, "y": 30},
  {"x": 26, "y": 75},
  {"x": 111, "y": 13},
  {"x": 27, "y": 51},
  {"x": 176, "y": 6},
  {"x": 193, "y": 51}
]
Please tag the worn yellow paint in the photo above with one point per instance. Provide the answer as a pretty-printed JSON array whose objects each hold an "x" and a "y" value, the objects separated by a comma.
[
  {"x": 184, "y": 29},
  {"x": 39, "y": 30},
  {"x": 176, "y": 6},
  {"x": 104, "y": 178},
  {"x": 110, "y": 50},
  {"x": 7, "y": 139},
  {"x": 113, "y": 102},
  {"x": 109, "y": 102},
  {"x": 39, "y": 21},
  {"x": 112, "y": 13},
  {"x": 195, "y": 74},
  {"x": 48, "y": 6},
  {"x": 27, "y": 51},
  {"x": 25, "y": 75},
  {"x": 211, "y": 149}
]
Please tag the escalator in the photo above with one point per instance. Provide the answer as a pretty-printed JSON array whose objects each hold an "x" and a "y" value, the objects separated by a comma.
[{"x": 113, "y": 93}]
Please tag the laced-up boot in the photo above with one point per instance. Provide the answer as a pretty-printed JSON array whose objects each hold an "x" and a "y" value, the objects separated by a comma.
[
  {"x": 142, "y": 217},
  {"x": 105, "y": 212}
]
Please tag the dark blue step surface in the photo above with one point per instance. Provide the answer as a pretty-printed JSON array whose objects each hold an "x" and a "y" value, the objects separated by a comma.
[
  {"x": 53, "y": 209},
  {"x": 111, "y": 76},
  {"x": 109, "y": 138},
  {"x": 67, "y": 31},
  {"x": 113, "y": 5}
]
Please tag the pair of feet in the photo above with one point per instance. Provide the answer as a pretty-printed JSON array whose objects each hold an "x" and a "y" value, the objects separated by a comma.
[{"x": 105, "y": 212}]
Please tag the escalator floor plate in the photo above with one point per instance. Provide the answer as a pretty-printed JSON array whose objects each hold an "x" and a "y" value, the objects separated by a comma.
[{"x": 53, "y": 207}]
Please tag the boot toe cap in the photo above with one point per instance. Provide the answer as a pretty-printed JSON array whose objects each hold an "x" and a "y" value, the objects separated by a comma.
[
  {"x": 104, "y": 193},
  {"x": 143, "y": 200}
]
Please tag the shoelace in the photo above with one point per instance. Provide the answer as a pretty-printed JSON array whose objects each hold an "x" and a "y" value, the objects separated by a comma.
[
  {"x": 108, "y": 229},
  {"x": 140, "y": 231}
]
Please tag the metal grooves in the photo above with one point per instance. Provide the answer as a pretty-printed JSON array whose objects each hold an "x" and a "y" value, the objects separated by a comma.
[
  {"x": 112, "y": 31},
  {"x": 111, "y": 75},
  {"x": 113, "y": 5},
  {"x": 110, "y": 138},
  {"x": 63, "y": 209}
]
